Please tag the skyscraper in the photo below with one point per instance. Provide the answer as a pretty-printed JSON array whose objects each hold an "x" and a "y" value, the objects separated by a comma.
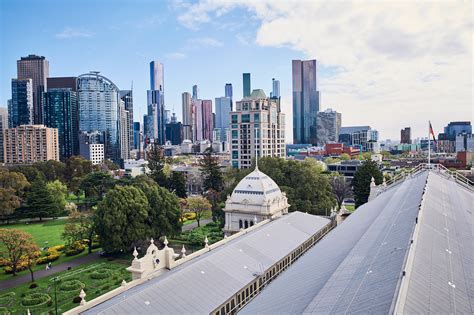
[
  {"x": 99, "y": 103},
  {"x": 127, "y": 97},
  {"x": 257, "y": 129},
  {"x": 35, "y": 68},
  {"x": 3, "y": 126},
  {"x": 195, "y": 92},
  {"x": 203, "y": 119},
  {"x": 306, "y": 101},
  {"x": 275, "y": 88},
  {"x": 137, "y": 138},
  {"x": 405, "y": 135},
  {"x": 246, "y": 84},
  {"x": 223, "y": 109},
  {"x": 187, "y": 108},
  {"x": 154, "y": 121},
  {"x": 174, "y": 131},
  {"x": 228, "y": 91},
  {"x": 125, "y": 129},
  {"x": 20, "y": 111},
  {"x": 60, "y": 110}
]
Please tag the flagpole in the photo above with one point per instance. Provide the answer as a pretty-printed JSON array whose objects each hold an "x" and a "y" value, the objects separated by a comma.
[{"x": 429, "y": 145}]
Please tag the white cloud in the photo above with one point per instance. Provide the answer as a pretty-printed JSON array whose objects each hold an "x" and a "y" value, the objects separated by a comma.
[
  {"x": 399, "y": 63},
  {"x": 176, "y": 55},
  {"x": 204, "y": 42},
  {"x": 69, "y": 32}
]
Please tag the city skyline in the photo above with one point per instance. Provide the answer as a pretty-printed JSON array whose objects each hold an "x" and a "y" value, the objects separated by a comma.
[{"x": 355, "y": 76}]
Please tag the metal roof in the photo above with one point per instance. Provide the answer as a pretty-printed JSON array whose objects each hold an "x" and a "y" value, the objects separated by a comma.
[
  {"x": 358, "y": 267},
  {"x": 204, "y": 283}
]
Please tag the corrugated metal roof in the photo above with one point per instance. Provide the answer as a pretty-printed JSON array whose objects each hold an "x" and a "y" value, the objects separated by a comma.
[
  {"x": 356, "y": 268},
  {"x": 441, "y": 279},
  {"x": 204, "y": 283}
]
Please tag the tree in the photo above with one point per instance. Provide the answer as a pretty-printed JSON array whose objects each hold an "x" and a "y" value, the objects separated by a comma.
[
  {"x": 16, "y": 247},
  {"x": 211, "y": 171},
  {"x": 52, "y": 170},
  {"x": 362, "y": 179},
  {"x": 30, "y": 172},
  {"x": 32, "y": 252},
  {"x": 108, "y": 165},
  {"x": 58, "y": 192},
  {"x": 156, "y": 164},
  {"x": 40, "y": 202},
  {"x": 77, "y": 166},
  {"x": 12, "y": 185},
  {"x": 121, "y": 219},
  {"x": 198, "y": 205},
  {"x": 95, "y": 185},
  {"x": 79, "y": 226},
  {"x": 341, "y": 189},
  {"x": 163, "y": 208},
  {"x": 177, "y": 184}
]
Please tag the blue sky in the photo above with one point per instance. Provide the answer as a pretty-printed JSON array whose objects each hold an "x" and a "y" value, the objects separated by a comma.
[{"x": 375, "y": 67}]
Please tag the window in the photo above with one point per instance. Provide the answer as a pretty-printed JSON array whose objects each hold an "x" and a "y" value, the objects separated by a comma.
[
  {"x": 245, "y": 118},
  {"x": 256, "y": 117},
  {"x": 235, "y": 119},
  {"x": 235, "y": 134},
  {"x": 235, "y": 154},
  {"x": 240, "y": 224},
  {"x": 246, "y": 224}
]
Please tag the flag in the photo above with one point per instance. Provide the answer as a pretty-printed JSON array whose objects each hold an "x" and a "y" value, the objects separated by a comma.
[{"x": 432, "y": 133}]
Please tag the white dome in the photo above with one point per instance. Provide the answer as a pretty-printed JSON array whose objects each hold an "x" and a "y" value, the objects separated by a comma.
[{"x": 256, "y": 188}]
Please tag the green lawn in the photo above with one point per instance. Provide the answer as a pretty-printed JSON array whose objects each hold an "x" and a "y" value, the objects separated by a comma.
[
  {"x": 47, "y": 231},
  {"x": 350, "y": 208},
  {"x": 96, "y": 279}
]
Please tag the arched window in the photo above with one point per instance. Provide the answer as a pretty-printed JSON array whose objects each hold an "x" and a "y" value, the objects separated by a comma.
[
  {"x": 240, "y": 224},
  {"x": 246, "y": 224},
  {"x": 251, "y": 223}
]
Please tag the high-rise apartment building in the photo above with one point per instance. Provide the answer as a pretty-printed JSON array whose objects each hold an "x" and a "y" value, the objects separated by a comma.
[
  {"x": 154, "y": 122},
  {"x": 99, "y": 103},
  {"x": 329, "y": 124},
  {"x": 174, "y": 131},
  {"x": 275, "y": 89},
  {"x": 3, "y": 126},
  {"x": 127, "y": 97},
  {"x": 405, "y": 135},
  {"x": 91, "y": 146},
  {"x": 60, "y": 110},
  {"x": 30, "y": 143},
  {"x": 306, "y": 101},
  {"x": 20, "y": 111},
  {"x": 228, "y": 91},
  {"x": 187, "y": 108},
  {"x": 223, "y": 108},
  {"x": 246, "y": 84},
  {"x": 137, "y": 136},
  {"x": 203, "y": 121},
  {"x": 35, "y": 68},
  {"x": 257, "y": 129}
]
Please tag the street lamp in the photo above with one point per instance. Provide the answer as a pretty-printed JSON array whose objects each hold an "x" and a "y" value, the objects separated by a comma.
[{"x": 55, "y": 281}]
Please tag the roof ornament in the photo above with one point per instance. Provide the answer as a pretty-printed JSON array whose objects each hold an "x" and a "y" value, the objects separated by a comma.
[
  {"x": 256, "y": 161},
  {"x": 255, "y": 219},
  {"x": 82, "y": 295},
  {"x": 384, "y": 183},
  {"x": 152, "y": 241},
  {"x": 166, "y": 242},
  {"x": 372, "y": 182},
  {"x": 135, "y": 254},
  {"x": 183, "y": 252},
  {"x": 124, "y": 283},
  {"x": 206, "y": 242}
]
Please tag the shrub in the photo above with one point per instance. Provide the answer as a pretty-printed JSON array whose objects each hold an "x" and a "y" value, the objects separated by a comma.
[
  {"x": 4, "y": 311},
  {"x": 33, "y": 285},
  {"x": 46, "y": 259},
  {"x": 71, "y": 285},
  {"x": 20, "y": 267},
  {"x": 95, "y": 245},
  {"x": 7, "y": 298},
  {"x": 101, "y": 273},
  {"x": 4, "y": 262},
  {"x": 35, "y": 299},
  {"x": 190, "y": 215},
  {"x": 75, "y": 248},
  {"x": 57, "y": 248},
  {"x": 106, "y": 287},
  {"x": 76, "y": 300}
]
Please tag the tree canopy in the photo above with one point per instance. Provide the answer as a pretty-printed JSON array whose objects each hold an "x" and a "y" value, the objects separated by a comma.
[{"x": 362, "y": 179}]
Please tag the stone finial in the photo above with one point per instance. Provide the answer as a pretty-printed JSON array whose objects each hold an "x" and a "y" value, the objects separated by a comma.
[
  {"x": 124, "y": 283},
  {"x": 225, "y": 236},
  {"x": 183, "y": 252},
  {"x": 255, "y": 219},
  {"x": 166, "y": 242},
  {"x": 384, "y": 183},
  {"x": 82, "y": 295},
  {"x": 28, "y": 312},
  {"x": 206, "y": 242},
  {"x": 135, "y": 254},
  {"x": 152, "y": 241},
  {"x": 372, "y": 182}
]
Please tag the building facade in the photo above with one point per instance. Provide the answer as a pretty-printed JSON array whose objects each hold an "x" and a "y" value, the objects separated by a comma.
[
  {"x": 275, "y": 89},
  {"x": 257, "y": 129},
  {"x": 125, "y": 129},
  {"x": 27, "y": 144},
  {"x": 60, "y": 110},
  {"x": 35, "y": 68},
  {"x": 328, "y": 125},
  {"x": 187, "y": 109},
  {"x": 223, "y": 107},
  {"x": 127, "y": 97},
  {"x": 203, "y": 119},
  {"x": 154, "y": 122},
  {"x": 99, "y": 103},
  {"x": 91, "y": 146},
  {"x": 228, "y": 91},
  {"x": 247, "y": 87},
  {"x": 405, "y": 135},
  {"x": 3, "y": 126},
  {"x": 21, "y": 108},
  {"x": 306, "y": 101},
  {"x": 363, "y": 137},
  {"x": 174, "y": 131}
]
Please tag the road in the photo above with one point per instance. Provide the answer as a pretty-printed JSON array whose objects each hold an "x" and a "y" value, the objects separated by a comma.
[{"x": 192, "y": 226}]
